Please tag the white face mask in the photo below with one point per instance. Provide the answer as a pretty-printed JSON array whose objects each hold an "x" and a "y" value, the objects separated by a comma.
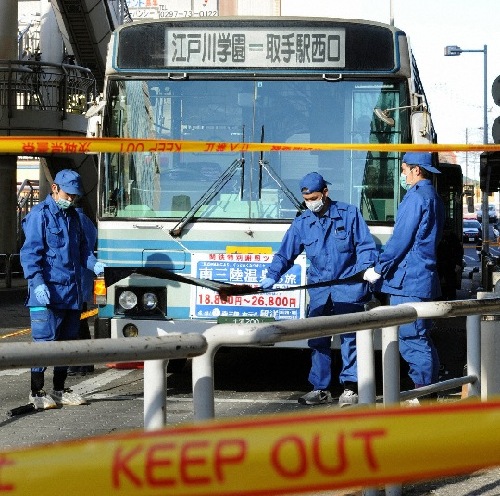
[
  {"x": 315, "y": 205},
  {"x": 63, "y": 203},
  {"x": 402, "y": 181}
]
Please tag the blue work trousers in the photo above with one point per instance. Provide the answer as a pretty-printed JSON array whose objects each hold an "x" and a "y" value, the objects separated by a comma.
[
  {"x": 320, "y": 374},
  {"x": 51, "y": 324},
  {"x": 416, "y": 346}
]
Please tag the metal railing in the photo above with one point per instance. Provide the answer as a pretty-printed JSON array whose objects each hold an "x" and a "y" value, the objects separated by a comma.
[
  {"x": 28, "y": 37},
  {"x": 386, "y": 318},
  {"x": 155, "y": 351},
  {"x": 36, "y": 85}
]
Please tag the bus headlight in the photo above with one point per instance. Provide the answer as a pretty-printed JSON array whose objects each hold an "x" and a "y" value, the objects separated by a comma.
[
  {"x": 141, "y": 301},
  {"x": 127, "y": 300},
  {"x": 149, "y": 301}
]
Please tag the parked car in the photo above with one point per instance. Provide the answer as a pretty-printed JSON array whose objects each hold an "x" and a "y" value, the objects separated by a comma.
[
  {"x": 472, "y": 231},
  {"x": 492, "y": 214}
]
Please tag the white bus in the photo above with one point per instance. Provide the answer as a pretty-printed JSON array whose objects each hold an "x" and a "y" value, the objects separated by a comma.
[{"x": 220, "y": 214}]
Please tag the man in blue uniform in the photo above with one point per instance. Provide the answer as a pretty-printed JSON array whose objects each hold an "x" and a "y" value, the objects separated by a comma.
[
  {"x": 407, "y": 265},
  {"x": 90, "y": 232},
  {"x": 54, "y": 256},
  {"x": 338, "y": 245}
]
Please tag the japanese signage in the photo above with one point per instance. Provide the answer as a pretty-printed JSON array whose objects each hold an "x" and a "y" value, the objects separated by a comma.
[
  {"x": 165, "y": 9},
  {"x": 36, "y": 145},
  {"x": 251, "y": 269},
  {"x": 256, "y": 47}
]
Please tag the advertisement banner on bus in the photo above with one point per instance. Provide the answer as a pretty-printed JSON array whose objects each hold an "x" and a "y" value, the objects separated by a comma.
[{"x": 250, "y": 269}]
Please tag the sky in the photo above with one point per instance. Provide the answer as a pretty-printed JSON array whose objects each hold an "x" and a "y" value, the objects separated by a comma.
[{"x": 454, "y": 85}]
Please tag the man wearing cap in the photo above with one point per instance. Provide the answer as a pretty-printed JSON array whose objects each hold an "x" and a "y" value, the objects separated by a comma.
[
  {"x": 54, "y": 255},
  {"x": 338, "y": 246},
  {"x": 408, "y": 264},
  {"x": 90, "y": 231}
]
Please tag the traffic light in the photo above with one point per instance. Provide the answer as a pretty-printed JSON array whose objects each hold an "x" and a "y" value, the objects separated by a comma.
[
  {"x": 489, "y": 172},
  {"x": 495, "y": 130},
  {"x": 489, "y": 162},
  {"x": 495, "y": 93}
]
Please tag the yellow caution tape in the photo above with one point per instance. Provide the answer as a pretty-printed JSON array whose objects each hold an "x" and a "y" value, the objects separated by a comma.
[
  {"x": 19, "y": 332},
  {"x": 88, "y": 313},
  {"x": 41, "y": 145},
  {"x": 277, "y": 454}
]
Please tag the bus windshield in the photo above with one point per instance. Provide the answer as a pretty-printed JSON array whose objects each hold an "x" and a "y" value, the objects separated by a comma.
[{"x": 222, "y": 185}]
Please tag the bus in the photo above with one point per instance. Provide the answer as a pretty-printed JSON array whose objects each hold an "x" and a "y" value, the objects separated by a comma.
[{"x": 219, "y": 213}]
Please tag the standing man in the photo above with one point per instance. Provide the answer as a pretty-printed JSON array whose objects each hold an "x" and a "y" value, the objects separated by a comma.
[
  {"x": 408, "y": 264},
  {"x": 90, "y": 231},
  {"x": 338, "y": 245},
  {"x": 54, "y": 256}
]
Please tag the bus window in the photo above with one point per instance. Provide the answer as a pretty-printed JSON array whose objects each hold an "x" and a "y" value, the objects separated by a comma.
[{"x": 228, "y": 112}]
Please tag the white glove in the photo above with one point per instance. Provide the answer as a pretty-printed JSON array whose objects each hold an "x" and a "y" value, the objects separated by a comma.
[
  {"x": 371, "y": 276},
  {"x": 99, "y": 268},
  {"x": 42, "y": 294},
  {"x": 267, "y": 283}
]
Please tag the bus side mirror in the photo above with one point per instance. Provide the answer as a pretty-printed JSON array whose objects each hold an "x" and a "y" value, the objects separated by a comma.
[
  {"x": 421, "y": 126},
  {"x": 94, "y": 118}
]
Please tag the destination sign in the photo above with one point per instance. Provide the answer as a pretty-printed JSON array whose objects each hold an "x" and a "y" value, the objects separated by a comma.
[
  {"x": 271, "y": 44},
  {"x": 276, "y": 48}
]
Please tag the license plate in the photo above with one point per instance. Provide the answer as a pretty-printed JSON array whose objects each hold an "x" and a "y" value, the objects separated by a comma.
[
  {"x": 243, "y": 320},
  {"x": 471, "y": 239}
]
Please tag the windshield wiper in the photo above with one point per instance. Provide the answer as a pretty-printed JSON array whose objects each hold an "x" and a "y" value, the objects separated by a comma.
[
  {"x": 277, "y": 179},
  {"x": 264, "y": 164},
  {"x": 208, "y": 195}
]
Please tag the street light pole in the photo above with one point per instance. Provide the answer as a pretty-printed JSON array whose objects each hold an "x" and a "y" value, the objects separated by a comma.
[
  {"x": 466, "y": 156},
  {"x": 454, "y": 50},
  {"x": 485, "y": 95}
]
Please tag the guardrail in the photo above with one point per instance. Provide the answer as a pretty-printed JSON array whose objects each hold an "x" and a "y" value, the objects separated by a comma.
[
  {"x": 155, "y": 351},
  {"x": 386, "y": 318}
]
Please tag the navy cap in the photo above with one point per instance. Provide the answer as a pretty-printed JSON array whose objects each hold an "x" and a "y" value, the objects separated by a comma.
[
  {"x": 312, "y": 182},
  {"x": 69, "y": 181},
  {"x": 422, "y": 159}
]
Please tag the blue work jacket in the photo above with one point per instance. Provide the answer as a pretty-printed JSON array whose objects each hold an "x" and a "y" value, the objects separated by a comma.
[
  {"x": 408, "y": 262},
  {"x": 338, "y": 245},
  {"x": 90, "y": 231},
  {"x": 55, "y": 253}
]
